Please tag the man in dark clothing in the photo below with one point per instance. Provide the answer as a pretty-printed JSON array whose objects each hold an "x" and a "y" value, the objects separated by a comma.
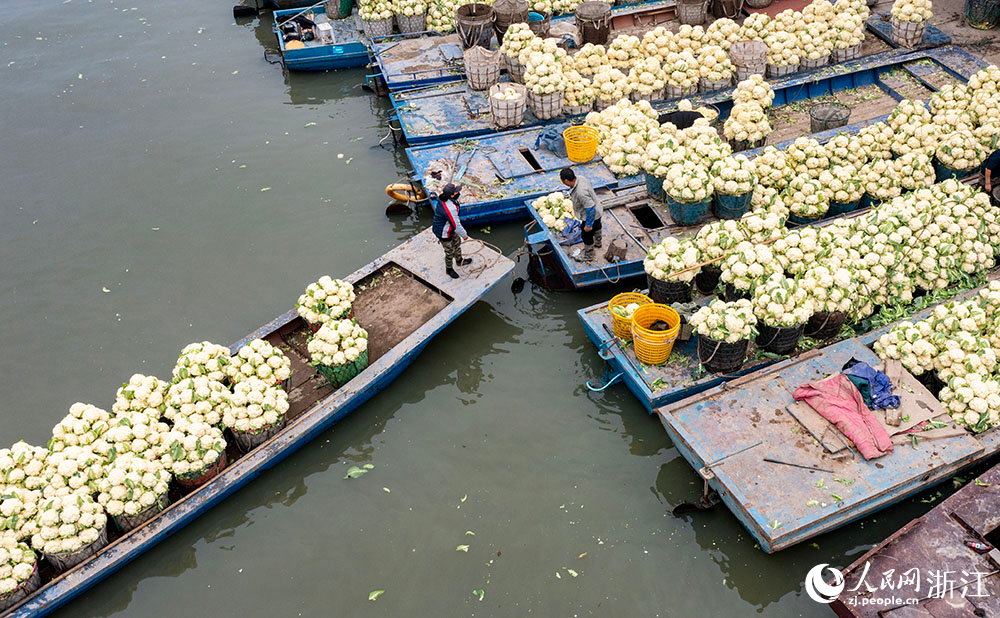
[
  {"x": 992, "y": 170},
  {"x": 448, "y": 228},
  {"x": 586, "y": 208}
]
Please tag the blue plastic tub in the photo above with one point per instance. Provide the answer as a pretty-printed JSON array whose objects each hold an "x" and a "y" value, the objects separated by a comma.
[
  {"x": 731, "y": 206},
  {"x": 839, "y": 208},
  {"x": 688, "y": 213},
  {"x": 941, "y": 172},
  {"x": 654, "y": 187}
]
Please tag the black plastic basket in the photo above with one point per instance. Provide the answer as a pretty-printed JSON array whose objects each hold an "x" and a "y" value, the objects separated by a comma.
[
  {"x": 669, "y": 292},
  {"x": 721, "y": 357},
  {"x": 731, "y": 294},
  {"x": 708, "y": 279},
  {"x": 824, "y": 324},
  {"x": 780, "y": 339},
  {"x": 826, "y": 116},
  {"x": 982, "y": 14}
]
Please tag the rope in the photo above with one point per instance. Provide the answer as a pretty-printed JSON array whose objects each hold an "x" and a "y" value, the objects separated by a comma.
[
  {"x": 617, "y": 278},
  {"x": 487, "y": 263},
  {"x": 718, "y": 344},
  {"x": 820, "y": 329}
]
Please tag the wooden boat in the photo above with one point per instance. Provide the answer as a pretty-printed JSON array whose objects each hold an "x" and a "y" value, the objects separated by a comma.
[
  {"x": 343, "y": 46},
  {"x": 404, "y": 299},
  {"x": 732, "y": 430},
  {"x": 933, "y": 544},
  {"x": 506, "y": 169}
]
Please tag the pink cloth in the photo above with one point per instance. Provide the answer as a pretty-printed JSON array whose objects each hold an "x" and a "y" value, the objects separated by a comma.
[{"x": 837, "y": 400}]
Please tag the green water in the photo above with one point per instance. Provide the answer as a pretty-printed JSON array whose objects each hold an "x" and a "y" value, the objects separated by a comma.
[{"x": 136, "y": 147}]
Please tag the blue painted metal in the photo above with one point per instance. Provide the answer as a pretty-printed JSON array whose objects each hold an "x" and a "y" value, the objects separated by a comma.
[
  {"x": 414, "y": 60},
  {"x": 452, "y": 111},
  {"x": 486, "y": 198},
  {"x": 774, "y": 502},
  {"x": 879, "y": 25},
  {"x": 347, "y": 51},
  {"x": 421, "y": 257}
]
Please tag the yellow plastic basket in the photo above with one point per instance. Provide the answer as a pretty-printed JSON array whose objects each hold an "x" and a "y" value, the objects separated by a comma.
[
  {"x": 653, "y": 346},
  {"x": 581, "y": 143},
  {"x": 623, "y": 326}
]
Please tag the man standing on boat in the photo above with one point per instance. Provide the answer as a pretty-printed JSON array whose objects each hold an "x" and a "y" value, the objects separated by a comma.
[
  {"x": 448, "y": 228},
  {"x": 586, "y": 208},
  {"x": 991, "y": 169}
]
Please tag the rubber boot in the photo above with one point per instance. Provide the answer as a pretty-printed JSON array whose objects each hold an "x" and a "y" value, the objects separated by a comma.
[
  {"x": 598, "y": 240},
  {"x": 451, "y": 272},
  {"x": 588, "y": 253},
  {"x": 465, "y": 261}
]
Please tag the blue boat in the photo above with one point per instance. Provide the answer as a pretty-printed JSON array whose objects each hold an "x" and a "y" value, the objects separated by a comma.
[
  {"x": 505, "y": 169},
  {"x": 451, "y": 111},
  {"x": 427, "y": 58},
  {"x": 337, "y": 43},
  {"x": 421, "y": 301},
  {"x": 501, "y": 172}
]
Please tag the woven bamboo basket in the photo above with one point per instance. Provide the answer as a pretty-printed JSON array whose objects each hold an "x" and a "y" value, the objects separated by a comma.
[
  {"x": 248, "y": 440},
  {"x": 814, "y": 64},
  {"x": 128, "y": 522},
  {"x": 600, "y": 103},
  {"x": 413, "y": 23},
  {"x": 576, "y": 110},
  {"x": 482, "y": 67},
  {"x": 780, "y": 70},
  {"x": 706, "y": 86},
  {"x": 845, "y": 54},
  {"x": 381, "y": 27},
  {"x": 546, "y": 106},
  {"x": 907, "y": 33},
  {"x": 508, "y": 114},
  {"x": 515, "y": 70},
  {"x": 676, "y": 92},
  {"x": 692, "y": 12},
  {"x": 23, "y": 591},
  {"x": 67, "y": 560},
  {"x": 757, "y": 4}
]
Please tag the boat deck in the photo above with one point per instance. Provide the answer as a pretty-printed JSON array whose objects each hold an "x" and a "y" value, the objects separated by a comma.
[
  {"x": 502, "y": 171},
  {"x": 347, "y": 50},
  {"x": 404, "y": 299},
  {"x": 422, "y": 59},
  {"x": 728, "y": 433},
  {"x": 932, "y": 544}
]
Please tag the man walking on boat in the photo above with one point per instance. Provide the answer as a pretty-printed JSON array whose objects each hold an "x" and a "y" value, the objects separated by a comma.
[
  {"x": 448, "y": 229},
  {"x": 586, "y": 208}
]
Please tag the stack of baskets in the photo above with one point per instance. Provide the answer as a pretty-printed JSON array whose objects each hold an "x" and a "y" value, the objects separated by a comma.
[
  {"x": 749, "y": 58},
  {"x": 482, "y": 67}
]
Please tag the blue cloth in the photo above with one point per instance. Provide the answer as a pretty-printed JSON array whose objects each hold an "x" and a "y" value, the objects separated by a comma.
[
  {"x": 878, "y": 384},
  {"x": 552, "y": 140},
  {"x": 571, "y": 234}
]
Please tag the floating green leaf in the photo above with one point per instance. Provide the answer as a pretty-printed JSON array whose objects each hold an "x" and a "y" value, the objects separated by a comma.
[
  {"x": 374, "y": 594},
  {"x": 572, "y": 572},
  {"x": 470, "y": 533},
  {"x": 464, "y": 548},
  {"x": 981, "y": 483},
  {"x": 479, "y": 592},
  {"x": 354, "y": 472},
  {"x": 812, "y": 503},
  {"x": 837, "y": 498}
]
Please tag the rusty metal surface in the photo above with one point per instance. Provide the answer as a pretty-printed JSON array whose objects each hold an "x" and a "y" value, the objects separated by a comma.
[
  {"x": 421, "y": 256},
  {"x": 932, "y": 543}
]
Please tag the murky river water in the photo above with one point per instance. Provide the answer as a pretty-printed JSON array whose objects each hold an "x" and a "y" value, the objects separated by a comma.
[{"x": 137, "y": 141}]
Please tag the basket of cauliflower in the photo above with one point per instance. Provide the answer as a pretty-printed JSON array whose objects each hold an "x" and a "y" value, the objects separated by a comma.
[
  {"x": 734, "y": 179},
  {"x": 724, "y": 334},
  {"x": 376, "y": 17},
  {"x": 782, "y": 309},
  {"x": 544, "y": 79},
  {"x": 958, "y": 154},
  {"x": 339, "y": 351},
  {"x": 909, "y": 20},
  {"x": 507, "y": 105},
  {"x": 663, "y": 265},
  {"x": 688, "y": 189},
  {"x": 622, "y": 306},
  {"x": 21, "y": 567},
  {"x": 411, "y": 15}
]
